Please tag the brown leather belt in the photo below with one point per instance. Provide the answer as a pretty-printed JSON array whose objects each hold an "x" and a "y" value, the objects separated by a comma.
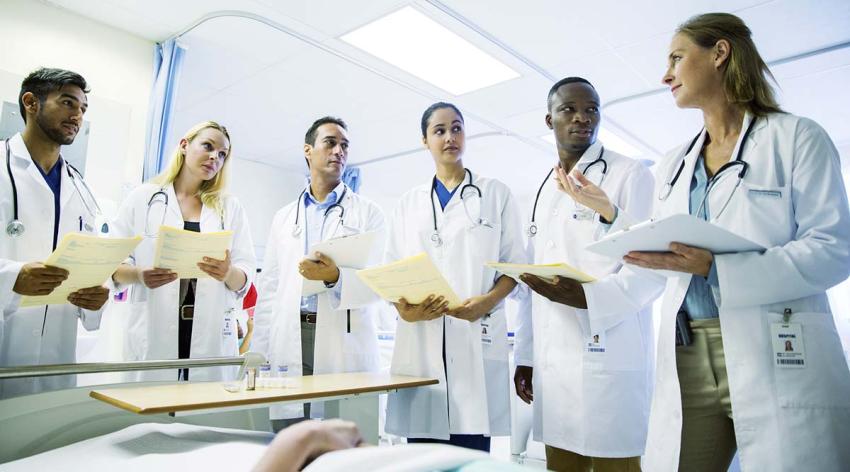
[{"x": 308, "y": 317}]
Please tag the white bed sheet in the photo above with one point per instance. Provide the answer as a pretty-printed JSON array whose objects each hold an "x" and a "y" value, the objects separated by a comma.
[{"x": 154, "y": 447}]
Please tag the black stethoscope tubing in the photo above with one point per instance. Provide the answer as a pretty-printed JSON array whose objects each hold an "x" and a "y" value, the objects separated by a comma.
[{"x": 532, "y": 229}]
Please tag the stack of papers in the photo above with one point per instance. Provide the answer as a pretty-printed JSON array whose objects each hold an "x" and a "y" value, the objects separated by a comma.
[
  {"x": 544, "y": 271},
  {"x": 89, "y": 260},
  {"x": 181, "y": 250},
  {"x": 656, "y": 236},
  {"x": 413, "y": 279}
]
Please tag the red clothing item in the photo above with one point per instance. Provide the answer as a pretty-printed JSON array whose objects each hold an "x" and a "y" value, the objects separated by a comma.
[{"x": 250, "y": 300}]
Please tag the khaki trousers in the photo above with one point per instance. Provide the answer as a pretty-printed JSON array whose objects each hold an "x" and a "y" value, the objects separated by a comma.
[
  {"x": 563, "y": 461},
  {"x": 708, "y": 434}
]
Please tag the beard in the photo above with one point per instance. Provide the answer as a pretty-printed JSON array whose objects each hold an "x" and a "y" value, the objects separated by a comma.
[{"x": 54, "y": 133}]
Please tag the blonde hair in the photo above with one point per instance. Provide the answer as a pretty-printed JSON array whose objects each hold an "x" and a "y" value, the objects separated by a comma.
[
  {"x": 211, "y": 190},
  {"x": 745, "y": 79}
]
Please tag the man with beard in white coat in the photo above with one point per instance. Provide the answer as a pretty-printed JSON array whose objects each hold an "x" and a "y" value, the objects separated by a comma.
[
  {"x": 333, "y": 330},
  {"x": 589, "y": 378},
  {"x": 39, "y": 183}
]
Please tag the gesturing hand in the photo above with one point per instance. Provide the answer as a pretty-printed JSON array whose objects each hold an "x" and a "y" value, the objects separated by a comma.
[
  {"x": 522, "y": 383},
  {"x": 585, "y": 192}
]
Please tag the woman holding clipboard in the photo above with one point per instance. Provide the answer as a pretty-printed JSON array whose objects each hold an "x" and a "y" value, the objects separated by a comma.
[{"x": 724, "y": 380}]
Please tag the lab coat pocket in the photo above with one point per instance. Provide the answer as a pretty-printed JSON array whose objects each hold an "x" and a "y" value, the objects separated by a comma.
[
  {"x": 766, "y": 207},
  {"x": 485, "y": 241},
  {"x": 824, "y": 381},
  {"x": 621, "y": 348}
]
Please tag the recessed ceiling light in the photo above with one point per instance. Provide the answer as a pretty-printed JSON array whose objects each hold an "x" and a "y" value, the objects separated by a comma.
[{"x": 420, "y": 46}]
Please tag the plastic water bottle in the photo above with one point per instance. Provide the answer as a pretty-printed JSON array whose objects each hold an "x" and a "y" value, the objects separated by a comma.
[
  {"x": 283, "y": 380},
  {"x": 265, "y": 376}
]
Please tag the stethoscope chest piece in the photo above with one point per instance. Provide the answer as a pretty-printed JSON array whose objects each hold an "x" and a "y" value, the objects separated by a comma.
[
  {"x": 436, "y": 240},
  {"x": 15, "y": 228},
  {"x": 532, "y": 230},
  {"x": 296, "y": 231}
]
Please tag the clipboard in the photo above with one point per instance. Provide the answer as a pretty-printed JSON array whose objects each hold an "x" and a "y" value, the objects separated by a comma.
[{"x": 656, "y": 236}]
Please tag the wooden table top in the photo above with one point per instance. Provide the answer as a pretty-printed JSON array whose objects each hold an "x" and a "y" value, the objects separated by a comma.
[{"x": 187, "y": 396}]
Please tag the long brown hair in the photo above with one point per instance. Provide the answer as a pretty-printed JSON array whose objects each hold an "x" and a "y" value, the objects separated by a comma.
[{"x": 745, "y": 79}]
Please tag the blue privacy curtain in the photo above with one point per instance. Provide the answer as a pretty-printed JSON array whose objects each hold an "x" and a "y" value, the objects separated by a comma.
[
  {"x": 168, "y": 61},
  {"x": 351, "y": 177}
]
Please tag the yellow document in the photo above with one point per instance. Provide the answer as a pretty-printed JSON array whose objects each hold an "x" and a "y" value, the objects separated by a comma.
[
  {"x": 181, "y": 250},
  {"x": 544, "y": 271},
  {"x": 413, "y": 279},
  {"x": 89, "y": 260}
]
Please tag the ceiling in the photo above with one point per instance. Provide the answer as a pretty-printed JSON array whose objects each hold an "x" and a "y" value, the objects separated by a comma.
[{"x": 267, "y": 85}]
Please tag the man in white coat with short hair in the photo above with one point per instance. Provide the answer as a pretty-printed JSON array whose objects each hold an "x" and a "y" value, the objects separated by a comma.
[
  {"x": 590, "y": 378},
  {"x": 40, "y": 204},
  {"x": 302, "y": 332}
]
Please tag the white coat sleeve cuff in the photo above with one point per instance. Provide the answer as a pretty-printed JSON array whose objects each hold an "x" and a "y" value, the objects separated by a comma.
[{"x": 90, "y": 318}]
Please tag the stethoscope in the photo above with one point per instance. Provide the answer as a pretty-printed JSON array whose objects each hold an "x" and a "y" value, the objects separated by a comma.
[
  {"x": 579, "y": 213},
  {"x": 468, "y": 190},
  {"x": 161, "y": 197},
  {"x": 738, "y": 161},
  {"x": 297, "y": 228},
  {"x": 16, "y": 228}
]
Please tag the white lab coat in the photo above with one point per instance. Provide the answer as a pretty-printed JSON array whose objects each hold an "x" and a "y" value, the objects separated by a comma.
[
  {"x": 793, "y": 202},
  {"x": 41, "y": 334},
  {"x": 477, "y": 401},
  {"x": 277, "y": 316},
  {"x": 154, "y": 313},
  {"x": 580, "y": 392}
]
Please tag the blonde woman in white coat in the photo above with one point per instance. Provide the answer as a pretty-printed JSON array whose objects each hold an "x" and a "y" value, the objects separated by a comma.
[
  {"x": 466, "y": 348},
  {"x": 728, "y": 387},
  {"x": 187, "y": 318}
]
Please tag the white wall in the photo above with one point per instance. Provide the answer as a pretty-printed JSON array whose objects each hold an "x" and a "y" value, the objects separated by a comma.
[
  {"x": 263, "y": 190},
  {"x": 118, "y": 67}
]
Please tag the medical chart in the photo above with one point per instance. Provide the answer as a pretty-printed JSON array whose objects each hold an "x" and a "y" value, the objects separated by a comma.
[
  {"x": 413, "y": 278},
  {"x": 544, "y": 271},
  {"x": 352, "y": 251},
  {"x": 89, "y": 260},
  {"x": 181, "y": 250}
]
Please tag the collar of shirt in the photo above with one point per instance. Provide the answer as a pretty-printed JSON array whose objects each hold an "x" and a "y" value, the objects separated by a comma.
[
  {"x": 331, "y": 199},
  {"x": 590, "y": 154}
]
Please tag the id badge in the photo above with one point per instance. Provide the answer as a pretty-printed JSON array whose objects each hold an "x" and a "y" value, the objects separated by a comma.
[
  {"x": 227, "y": 329},
  {"x": 595, "y": 344},
  {"x": 486, "y": 334},
  {"x": 789, "y": 352}
]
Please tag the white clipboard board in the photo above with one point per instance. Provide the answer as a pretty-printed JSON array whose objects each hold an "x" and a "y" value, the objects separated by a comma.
[
  {"x": 348, "y": 251},
  {"x": 656, "y": 236}
]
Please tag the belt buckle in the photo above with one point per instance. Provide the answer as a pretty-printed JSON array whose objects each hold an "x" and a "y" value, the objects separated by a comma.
[
  {"x": 187, "y": 312},
  {"x": 309, "y": 318}
]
